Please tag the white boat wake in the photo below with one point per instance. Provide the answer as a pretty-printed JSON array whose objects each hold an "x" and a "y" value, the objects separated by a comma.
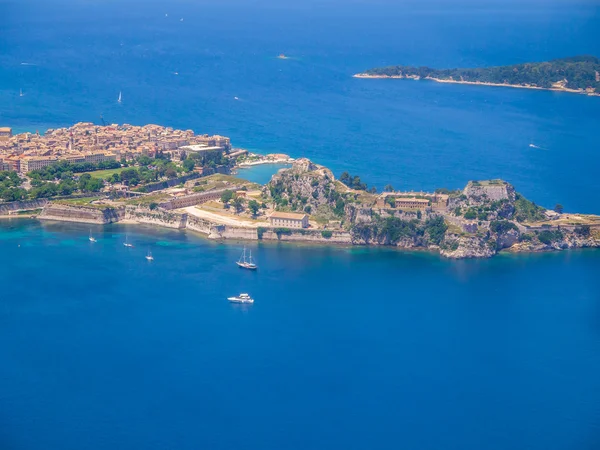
[{"x": 537, "y": 146}]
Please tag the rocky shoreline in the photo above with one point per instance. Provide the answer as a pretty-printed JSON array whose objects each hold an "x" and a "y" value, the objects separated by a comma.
[{"x": 484, "y": 218}]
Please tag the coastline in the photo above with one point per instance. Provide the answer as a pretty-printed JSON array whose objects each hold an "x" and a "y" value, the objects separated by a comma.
[
  {"x": 236, "y": 233},
  {"x": 480, "y": 83},
  {"x": 265, "y": 161}
]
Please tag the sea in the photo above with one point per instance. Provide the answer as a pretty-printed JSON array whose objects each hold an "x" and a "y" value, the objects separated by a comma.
[{"x": 344, "y": 347}]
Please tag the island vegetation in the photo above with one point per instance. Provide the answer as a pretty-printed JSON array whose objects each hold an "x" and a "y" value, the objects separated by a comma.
[{"x": 577, "y": 74}]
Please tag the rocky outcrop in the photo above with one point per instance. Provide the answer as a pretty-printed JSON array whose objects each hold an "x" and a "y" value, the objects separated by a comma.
[
  {"x": 303, "y": 185},
  {"x": 465, "y": 246}
]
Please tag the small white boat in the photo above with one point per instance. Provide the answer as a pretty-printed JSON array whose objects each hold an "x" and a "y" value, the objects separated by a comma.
[
  {"x": 21, "y": 93},
  {"x": 120, "y": 99},
  {"x": 246, "y": 262},
  {"x": 126, "y": 243},
  {"x": 92, "y": 238},
  {"x": 149, "y": 256},
  {"x": 242, "y": 298}
]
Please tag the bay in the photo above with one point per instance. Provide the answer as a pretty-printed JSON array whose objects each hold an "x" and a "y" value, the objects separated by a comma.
[{"x": 344, "y": 347}]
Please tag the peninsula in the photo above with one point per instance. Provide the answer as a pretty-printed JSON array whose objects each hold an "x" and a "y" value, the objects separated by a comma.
[
  {"x": 578, "y": 74},
  {"x": 190, "y": 186}
]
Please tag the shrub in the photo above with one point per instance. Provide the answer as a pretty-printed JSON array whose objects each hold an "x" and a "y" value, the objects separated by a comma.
[
  {"x": 470, "y": 214},
  {"x": 502, "y": 226},
  {"x": 280, "y": 231},
  {"x": 526, "y": 211},
  {"x": 436, "y": 227},
  {"x": 153, "y": 205},
  {"x": 583, "y": 231},
  {"x": 548, "y": 237},
  {"x": 260, "y": 231},
  {"x": 326, "y": 234}
]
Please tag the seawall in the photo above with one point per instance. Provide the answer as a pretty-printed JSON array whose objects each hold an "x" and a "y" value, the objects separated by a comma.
[
  {"x": 12, "y": 207},
  {"x": 83, "y": 214}
]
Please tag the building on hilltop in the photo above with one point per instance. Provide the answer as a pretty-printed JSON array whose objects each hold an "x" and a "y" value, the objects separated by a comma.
[
  {"x": 412, "y": 200},
  {"x": 288, "y": 220}
]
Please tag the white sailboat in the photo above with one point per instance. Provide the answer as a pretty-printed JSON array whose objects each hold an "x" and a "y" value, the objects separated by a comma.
[
  {"x": 246, "y": 262},
  {"x": 126, "y": 243},
  {"x": 120, "y": 99},
  {"x": 149, "y": 256},
  {"x": 92, "y": 238},
  {"x": 21, "y": 93}
]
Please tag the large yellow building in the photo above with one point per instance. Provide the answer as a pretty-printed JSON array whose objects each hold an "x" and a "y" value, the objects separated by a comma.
[{"x": 288, "y": 220}]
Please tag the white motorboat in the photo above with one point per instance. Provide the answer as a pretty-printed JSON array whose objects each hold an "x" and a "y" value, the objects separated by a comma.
[{"x": 242, "y": 298}]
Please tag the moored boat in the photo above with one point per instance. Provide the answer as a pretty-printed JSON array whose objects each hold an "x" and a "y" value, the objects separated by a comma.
[{"x": 246, "y": 262}]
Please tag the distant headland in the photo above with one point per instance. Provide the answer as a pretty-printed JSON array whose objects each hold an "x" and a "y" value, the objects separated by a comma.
[{"x": 577, "y": 74}]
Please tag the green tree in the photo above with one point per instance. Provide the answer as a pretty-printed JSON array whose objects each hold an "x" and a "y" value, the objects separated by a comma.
[
  {"x": 226, "y": 196},
  {"x": 388, "y": 188},
  {"x": 470, "y": 214},
  {"x": 114, "y": 178},
  {"x": 188, "y": 165},
  {"x": 238, "y": 204},
  {"x": 130, "y": 176},
  {"x": 254, "y": 206},
  {"x": 558, "y": 208}
]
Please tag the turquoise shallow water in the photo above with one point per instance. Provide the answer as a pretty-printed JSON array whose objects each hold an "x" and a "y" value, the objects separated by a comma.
[{"x": 345, "y": 347}]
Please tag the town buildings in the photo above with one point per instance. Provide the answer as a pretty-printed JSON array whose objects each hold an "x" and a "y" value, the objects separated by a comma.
[{"x": 86, "y": 142}]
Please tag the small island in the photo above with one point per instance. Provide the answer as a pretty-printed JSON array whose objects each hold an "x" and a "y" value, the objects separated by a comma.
[{"x": 577, "y": 74}]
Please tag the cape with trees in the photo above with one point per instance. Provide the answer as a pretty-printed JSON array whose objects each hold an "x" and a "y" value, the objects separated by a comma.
[{"x": 579, "y": 73}]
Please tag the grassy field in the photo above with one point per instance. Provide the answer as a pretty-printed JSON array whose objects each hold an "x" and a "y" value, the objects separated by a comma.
[
  {"x": 84, "y": 201},
  {"x": 105, "y": 174},
  {"x": 219, "y": 181}
]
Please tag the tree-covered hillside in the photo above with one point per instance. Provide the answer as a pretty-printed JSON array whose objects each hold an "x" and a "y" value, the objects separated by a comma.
[{"x": 578, "y": 72}]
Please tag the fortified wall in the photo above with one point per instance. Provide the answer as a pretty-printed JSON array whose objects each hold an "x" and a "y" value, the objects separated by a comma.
[{"x": 83, "y": 214}]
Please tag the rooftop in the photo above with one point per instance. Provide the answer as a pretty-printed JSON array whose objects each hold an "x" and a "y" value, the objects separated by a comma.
[{"x": 289, "y": 216}]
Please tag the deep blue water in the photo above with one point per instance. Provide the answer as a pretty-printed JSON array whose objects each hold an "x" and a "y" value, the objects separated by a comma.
[
  {"x": 413, "y": 135},
  {"x": 344, "y": 348}
]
